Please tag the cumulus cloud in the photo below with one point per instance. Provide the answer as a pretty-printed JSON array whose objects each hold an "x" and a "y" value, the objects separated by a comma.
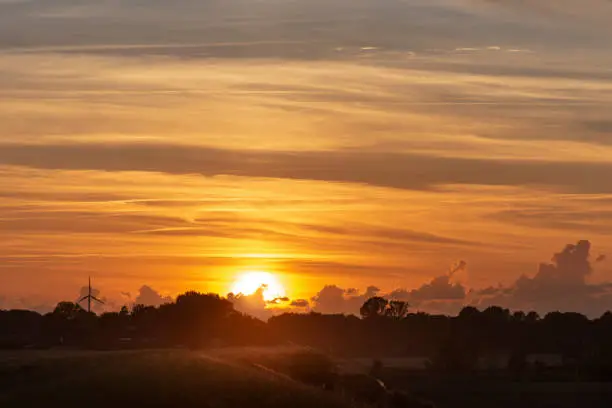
[
  {"x": 567, "y": 272},
  {"x": 256, "y": 304},
  {"x": 253, "y": 304},
  {"x": 334, "y": 299},
  {"x": 560, "y": 285},
  {"x": 150, "y": 297},
  {"x": 26, "y": 303},
  {"x": 439, "y": 289},
  {"x": 441, "y": 295},
  {"x": 435, "y": 295}
]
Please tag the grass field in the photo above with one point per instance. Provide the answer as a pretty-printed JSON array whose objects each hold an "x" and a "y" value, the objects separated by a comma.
[
  {"x": 244, "y": 377},
  {"x": 178, "y": 379}
]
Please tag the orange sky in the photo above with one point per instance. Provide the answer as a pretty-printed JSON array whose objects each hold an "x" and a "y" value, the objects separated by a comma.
[{"x": 331, "y": 143}]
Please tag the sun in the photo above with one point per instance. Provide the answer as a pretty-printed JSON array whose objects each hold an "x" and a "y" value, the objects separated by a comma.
[{"x": 249, "y": 282}]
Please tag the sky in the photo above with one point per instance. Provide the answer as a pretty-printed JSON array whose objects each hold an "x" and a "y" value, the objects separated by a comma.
[{"x": 445, "y": 152}]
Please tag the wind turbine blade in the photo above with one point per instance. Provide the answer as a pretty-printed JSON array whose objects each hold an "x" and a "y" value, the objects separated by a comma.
[
  {"x": 97, "y": 300},
  {"x": 82, "y": 299}
]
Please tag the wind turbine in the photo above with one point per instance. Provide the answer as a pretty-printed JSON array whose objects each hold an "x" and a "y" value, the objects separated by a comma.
[{"x": 89, "y": 298}]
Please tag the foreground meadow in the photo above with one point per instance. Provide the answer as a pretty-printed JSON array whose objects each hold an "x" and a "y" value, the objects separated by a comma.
[
  {"x": 263, "y": 377},
  {"x": 147, "y": 378}
]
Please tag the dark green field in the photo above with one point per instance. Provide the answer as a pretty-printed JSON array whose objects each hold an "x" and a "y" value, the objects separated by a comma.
[
  {"x": 243, "y": 378},
  {"x": 505, "y": 394},
  {"x": 179, "y": 379}
]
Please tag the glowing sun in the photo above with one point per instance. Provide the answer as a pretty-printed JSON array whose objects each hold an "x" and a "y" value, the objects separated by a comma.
[{"x": 248, "y": 283}]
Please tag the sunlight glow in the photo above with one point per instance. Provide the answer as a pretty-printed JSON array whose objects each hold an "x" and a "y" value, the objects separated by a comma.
[{"x": 248, "y": 283}]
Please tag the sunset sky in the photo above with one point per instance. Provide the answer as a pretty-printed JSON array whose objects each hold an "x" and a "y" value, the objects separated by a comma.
[{"x": 437, "y": 150}]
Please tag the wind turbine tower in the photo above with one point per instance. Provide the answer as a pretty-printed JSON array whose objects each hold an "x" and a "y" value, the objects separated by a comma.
[{"x": 89, "y": 298}]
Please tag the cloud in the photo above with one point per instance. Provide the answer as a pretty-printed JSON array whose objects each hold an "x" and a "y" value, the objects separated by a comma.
[
  {"x": 439, "y": 296},
  {"x": 440, "y": 288},
  {"x": 253, "y": 304},
  {"x": 33, "y": 303},
  {"x": 70, "y": 101},
  {"x": 384, "y": 169},
  {"x": 555, "y": 283},
  {"x": 565, "y": 276},
  {"x": 256, "y": 305},
  {"x": 333, "y": 25},
  {"x": 490, "y": 291},
  {"x": 559, "y": 285},
  {"x": 558, "y": 218},
  {"x": 333, "y": 299},
  {"x": 279, "y": 300},
  {"x": 40, "y": 219},
  {"x": 569, "y": 267},
  {"x": 300, "y": 303},
  {"x": 150, "y": 297},
  {"x": 363, "y": 230}
]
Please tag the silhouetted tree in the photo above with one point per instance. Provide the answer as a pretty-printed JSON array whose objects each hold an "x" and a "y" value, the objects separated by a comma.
[
  {"x": 374, "y": 307},
  {"x": 124, "y": 311},
  {"x": 20, "y": 328},
  {"x": 198, "y": 317},
  {"x": 532, "y": 317},
  {"x": 468, "y": 313},
  {"x": 68, "y": 310},
  {"x": 397, "y": 309}
]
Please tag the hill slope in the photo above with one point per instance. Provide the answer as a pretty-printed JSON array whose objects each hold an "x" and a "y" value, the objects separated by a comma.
[{"x": 178, "y": 379}]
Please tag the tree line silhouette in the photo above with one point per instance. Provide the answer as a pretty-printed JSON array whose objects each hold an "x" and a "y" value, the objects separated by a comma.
[{"x": 384, "y": 329}]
